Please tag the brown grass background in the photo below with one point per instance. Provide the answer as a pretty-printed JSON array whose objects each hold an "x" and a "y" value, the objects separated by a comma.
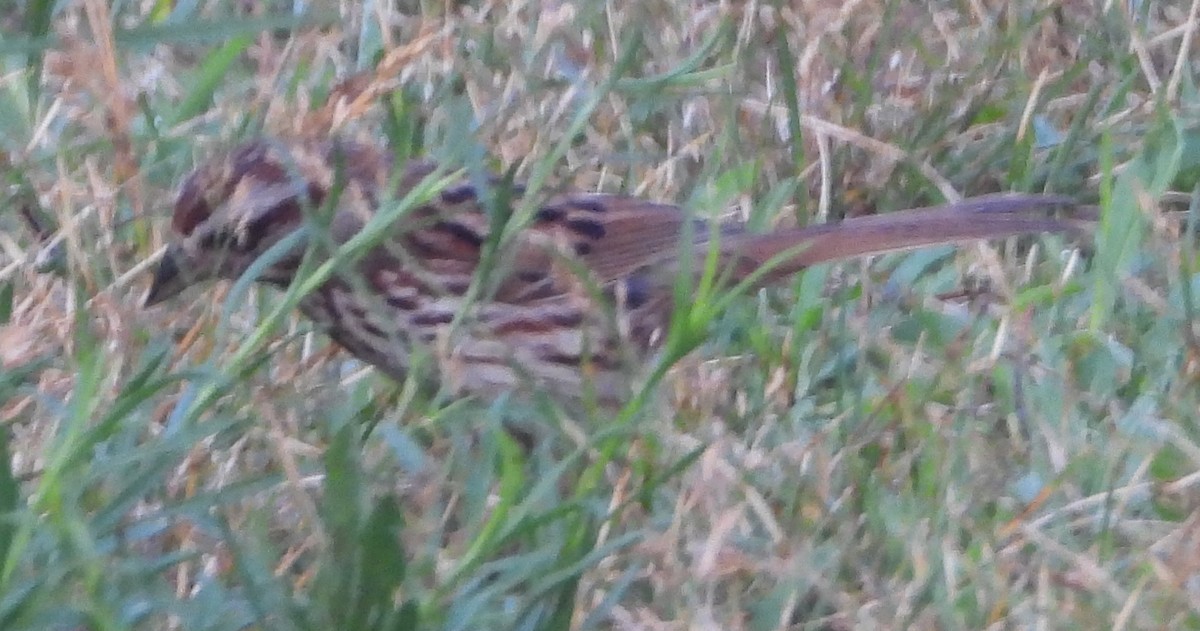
[{"x": 927, "y": 441}]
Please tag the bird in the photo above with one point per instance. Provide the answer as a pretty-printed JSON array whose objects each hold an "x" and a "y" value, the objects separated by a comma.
[{"x": 573, "y": 298}]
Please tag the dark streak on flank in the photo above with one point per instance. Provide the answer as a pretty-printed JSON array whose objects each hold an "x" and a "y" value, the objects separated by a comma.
[
  {"x": 418, "y": 248},
  {"x": 460, "y": 194},
  {"x": 432, "y": 318},
  {"x": 406, "y": 303},
  {"x": 539, "y": 323},
  {"x": 547, "y": 214},
  {"x": 519, "y": 325},
  {"x": 371, "y": 329},
  {"x": 415, "y": 242},
  {"x": 599, "y": 360},
  {"x": 378, "y": 262},
  {"x": 587, "y": 227},
  {"x": 460, "y": 232},
  {"x": 583, "y": 249},
  {"x": 563, "y": 359},
  {"x": 637, "y": 291},
  {"x": 456, "y": 286},
  {"x": 568, "y": 319},
  {"x": 282, "y": 272}
]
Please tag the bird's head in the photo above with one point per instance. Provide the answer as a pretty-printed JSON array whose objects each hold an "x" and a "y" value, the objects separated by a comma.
[{"x": 232, "y": 209}]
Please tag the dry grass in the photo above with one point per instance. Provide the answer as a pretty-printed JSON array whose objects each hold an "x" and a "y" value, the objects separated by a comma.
[{"x": 991, "y": 438}]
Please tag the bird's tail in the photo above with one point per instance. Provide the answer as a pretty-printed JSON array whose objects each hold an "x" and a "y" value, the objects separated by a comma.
[{"x": 778, "y": 254}]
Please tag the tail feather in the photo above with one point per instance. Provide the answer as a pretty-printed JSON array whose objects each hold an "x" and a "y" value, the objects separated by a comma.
[{"x": 991, "y": 217}]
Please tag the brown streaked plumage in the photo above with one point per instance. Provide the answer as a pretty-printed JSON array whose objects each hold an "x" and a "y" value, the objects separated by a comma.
[{"x": 575, "y": 300}]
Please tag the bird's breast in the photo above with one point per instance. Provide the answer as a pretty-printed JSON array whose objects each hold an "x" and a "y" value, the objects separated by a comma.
[{"x": 567, "y": 344}]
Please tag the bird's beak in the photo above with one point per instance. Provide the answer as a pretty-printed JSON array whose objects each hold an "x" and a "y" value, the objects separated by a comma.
[{"x": 169, "y": 278}]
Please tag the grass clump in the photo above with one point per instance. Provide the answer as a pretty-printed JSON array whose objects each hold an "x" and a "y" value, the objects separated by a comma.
[{"x": 1000, "y": 435}]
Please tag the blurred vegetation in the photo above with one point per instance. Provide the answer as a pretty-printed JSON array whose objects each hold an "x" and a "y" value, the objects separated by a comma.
[{"x": 990, "y": 437}]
